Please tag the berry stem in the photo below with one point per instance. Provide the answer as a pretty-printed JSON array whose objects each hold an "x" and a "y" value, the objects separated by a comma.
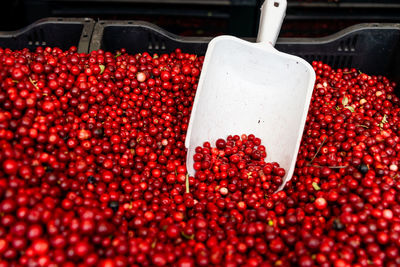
[
  {"x": 187, "y": 183},
  {"x": 319, "y": 148}
]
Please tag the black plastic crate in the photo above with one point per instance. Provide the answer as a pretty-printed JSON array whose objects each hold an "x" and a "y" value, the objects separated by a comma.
[
  {"x": 373, "y": 48},
  {"x": 316, "y": 18},
  {"x": 363, "y": 12},
  {"x": 345, "y": 3},
  {"x": 140, "y": 36},
  {"x": 53, "y": 32},
  {"x": 212, "y": 17},
  {"x": 372, "y": 3}
]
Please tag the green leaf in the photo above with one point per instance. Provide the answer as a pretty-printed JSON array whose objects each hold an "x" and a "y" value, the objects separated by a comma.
[
  {"x": 350, "y": 108},
  {"x": 345, "y": 101},
  {"x": 316, "y": 186},
  {"x": 384, "y": 119},
  {"x": 102, "y": 68}
]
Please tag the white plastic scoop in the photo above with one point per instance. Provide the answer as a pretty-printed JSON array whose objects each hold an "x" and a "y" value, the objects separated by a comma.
[{"x": 252, "y": 88}]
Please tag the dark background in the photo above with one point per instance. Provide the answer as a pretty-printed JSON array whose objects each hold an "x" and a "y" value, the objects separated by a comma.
[{"x": 310, "y": 18}]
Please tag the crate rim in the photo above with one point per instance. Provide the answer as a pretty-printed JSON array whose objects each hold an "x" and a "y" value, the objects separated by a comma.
[
  {"x": 336, "y": 5},
  {"x": 85, "y": 37},
  {"x": 97, "y": 35},
  {"x": 101, "y": 24},
  {"x": 141, "y": 23},
  {"x": 338, "y": 35},
  {"x": 185, "y": 2},
  {"x": 59, "y": 20}
]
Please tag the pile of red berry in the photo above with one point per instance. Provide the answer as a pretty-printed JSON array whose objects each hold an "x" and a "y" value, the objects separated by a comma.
[
  {"x": 92, "y": 170},
  {"x": 237, "y": 165}
]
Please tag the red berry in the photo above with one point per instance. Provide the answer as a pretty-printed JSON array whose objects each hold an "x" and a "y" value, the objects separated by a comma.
[
  {"x": 320, "y": 203},
  {"x": 10, "y": 166}
]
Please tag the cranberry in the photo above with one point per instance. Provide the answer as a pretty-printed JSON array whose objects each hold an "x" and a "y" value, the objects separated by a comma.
[
  {"x": 10, "y": 166},
  {"x": 93, "y": 169}
]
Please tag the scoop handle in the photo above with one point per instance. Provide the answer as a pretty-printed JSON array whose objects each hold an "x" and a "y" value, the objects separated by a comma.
[{"x": 271, "y": 18}]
